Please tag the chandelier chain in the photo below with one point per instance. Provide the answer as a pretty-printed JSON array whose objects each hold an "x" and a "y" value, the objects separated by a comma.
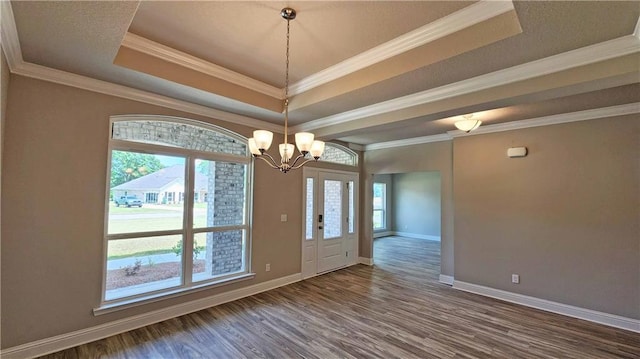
[{"x": 286, "y": 88}]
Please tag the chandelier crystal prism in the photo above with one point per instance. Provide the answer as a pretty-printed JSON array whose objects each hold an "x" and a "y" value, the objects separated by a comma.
[{"x": 261, "y": 140}]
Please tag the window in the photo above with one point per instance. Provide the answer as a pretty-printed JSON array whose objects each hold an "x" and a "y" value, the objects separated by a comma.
[
  {"x": 352, "y": 203},
  {"x": 308, "y": 210},
  {"x": 189, "y": 227},
  {"x": 335, "y": 153},
  {"x": 379, "y": 206}
]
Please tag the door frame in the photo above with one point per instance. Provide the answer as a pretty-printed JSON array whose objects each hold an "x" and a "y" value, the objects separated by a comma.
[{"x": 309, "y": 248}]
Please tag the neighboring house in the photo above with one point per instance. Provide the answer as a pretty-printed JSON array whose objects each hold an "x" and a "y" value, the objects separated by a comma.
[{"x": 163, "y": 187}]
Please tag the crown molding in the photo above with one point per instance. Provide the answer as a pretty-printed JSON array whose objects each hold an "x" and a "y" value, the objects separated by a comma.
[
  {"x": 604, "y": 112},
  {"x": 408, "y": 142},
  {"x": 583, "y": 56},
  {"x": 9, "y": 35},
  {"x": 152, "y": 48},
  {"x": 86, "y": 83},
  {"x": 594, "y": 114},
  {"x": 440, "y": 28}
]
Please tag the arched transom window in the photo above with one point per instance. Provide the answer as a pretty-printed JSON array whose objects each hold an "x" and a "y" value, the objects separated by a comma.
[{"x": 335, "y": 153}]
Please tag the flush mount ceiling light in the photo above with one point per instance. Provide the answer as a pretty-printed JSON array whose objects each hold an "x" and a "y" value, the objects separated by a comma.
[
  {"x": 468, "y": 124},
  {"x": 261, "y": 141}
]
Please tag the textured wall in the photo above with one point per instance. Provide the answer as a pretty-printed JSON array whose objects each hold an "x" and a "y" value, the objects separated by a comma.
[{"x": 566, "y": 217}]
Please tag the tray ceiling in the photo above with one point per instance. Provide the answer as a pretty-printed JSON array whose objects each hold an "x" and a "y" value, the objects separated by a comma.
[{"x": 364, "y": 72}]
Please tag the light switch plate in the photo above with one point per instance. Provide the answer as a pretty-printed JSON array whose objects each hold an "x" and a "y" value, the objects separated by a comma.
[{"x": 283, "y": 218}]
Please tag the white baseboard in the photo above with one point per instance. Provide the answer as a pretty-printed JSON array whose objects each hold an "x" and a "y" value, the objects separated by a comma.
[
  {"x": 382, "y": 234},
  {"x": 68, "y": 340},
  {"x": 367, "y": 261},
  {"x": 446, "y": 279},
  {"x": 418, "y": 236},
  {"x": 554, "y": 307}
]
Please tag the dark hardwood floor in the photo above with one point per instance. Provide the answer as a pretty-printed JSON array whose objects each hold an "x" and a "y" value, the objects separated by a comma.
[{"x": 395, "y": 309}]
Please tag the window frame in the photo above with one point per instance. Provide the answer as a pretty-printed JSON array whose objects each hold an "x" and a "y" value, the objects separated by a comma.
[
  {"x": 187, "y": 231},
  {"x": 384, "y": 206}
]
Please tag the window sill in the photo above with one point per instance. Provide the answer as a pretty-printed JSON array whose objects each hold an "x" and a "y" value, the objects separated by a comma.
[{"x": 106, "y": 308}]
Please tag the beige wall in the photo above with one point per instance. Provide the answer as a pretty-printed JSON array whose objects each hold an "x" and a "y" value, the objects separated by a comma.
[
  {"x": 435, "y": 156},
  {"x": 53, "y": 211},
  {"x": 4, "y": 92},
  {"x": 566, "y": 217},
  {"x": 416, "y": 203}
]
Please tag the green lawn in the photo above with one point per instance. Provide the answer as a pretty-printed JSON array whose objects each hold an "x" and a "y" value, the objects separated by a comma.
[
  {"x": 138, "y": 210},
  {"x": 150, "y": 208},
  {"x": 146, "y": 245},
  {"x": 136, "y": 247}
]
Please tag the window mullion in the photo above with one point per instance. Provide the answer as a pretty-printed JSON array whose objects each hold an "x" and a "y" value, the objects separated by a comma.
[
  {"x": 220, "y": 228},
  {"x": 187, "y": 259}
]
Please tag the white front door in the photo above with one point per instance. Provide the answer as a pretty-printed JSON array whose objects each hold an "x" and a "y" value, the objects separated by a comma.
[
  {"x": 330, "y": 230},
  {"x": 331, "y": 222}
]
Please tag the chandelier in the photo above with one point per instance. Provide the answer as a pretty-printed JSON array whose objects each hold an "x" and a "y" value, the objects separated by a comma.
[
  {"x": 468, "y": 124},
  {"x": 261, "y": 140}
]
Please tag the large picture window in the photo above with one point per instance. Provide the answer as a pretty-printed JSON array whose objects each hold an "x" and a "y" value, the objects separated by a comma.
[
  {"x": 379, "y": 206},
  {"x": 177, "y": 207}
]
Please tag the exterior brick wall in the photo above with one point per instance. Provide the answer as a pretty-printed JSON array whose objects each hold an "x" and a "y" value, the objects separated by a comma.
[
  {"x": 225, "y": 208},
  {"x": 178, "y": 134}
]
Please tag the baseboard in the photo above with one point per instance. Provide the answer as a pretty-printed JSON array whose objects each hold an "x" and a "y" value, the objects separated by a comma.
[
  {"x": 367, "y": 261},
  {"x": 382, "y": 234},
  {"x": 554, "y": 307},
  {"x": 418, "y": 236},
  {"x": 446, "y": 279},
  {"x": 69, "y": 340}
]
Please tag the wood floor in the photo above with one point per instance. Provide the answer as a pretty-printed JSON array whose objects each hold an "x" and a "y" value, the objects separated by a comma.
[{"x": 395, "y": 309}]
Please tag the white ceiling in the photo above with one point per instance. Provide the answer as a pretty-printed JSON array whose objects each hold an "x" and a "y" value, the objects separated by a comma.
[{"x": 588, "y": 51}]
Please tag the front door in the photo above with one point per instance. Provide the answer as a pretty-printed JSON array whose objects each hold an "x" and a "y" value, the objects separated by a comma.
[
  {"x": 331, "y": 222},
  {"x": 330, "y": 236}
]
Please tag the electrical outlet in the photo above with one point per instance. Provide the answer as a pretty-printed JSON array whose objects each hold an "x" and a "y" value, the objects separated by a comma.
[
  {"x": 515, "y": 278},
  {"x": 283, "y": 218},
  {"x": 267, "y": 267}
]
